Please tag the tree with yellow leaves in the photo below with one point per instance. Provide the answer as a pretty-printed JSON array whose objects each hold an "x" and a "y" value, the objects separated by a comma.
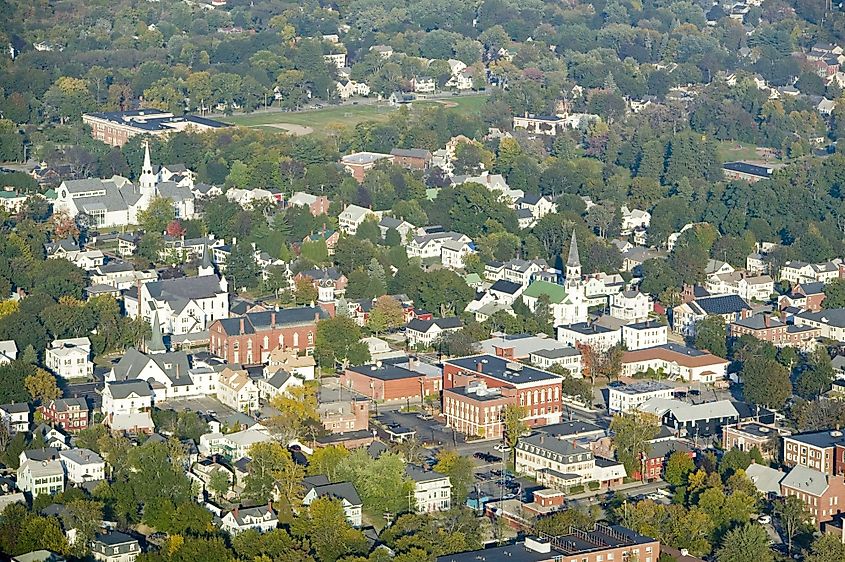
[
  {"x": 41, "y": 385},
  {"x": 297, "y": 412}
]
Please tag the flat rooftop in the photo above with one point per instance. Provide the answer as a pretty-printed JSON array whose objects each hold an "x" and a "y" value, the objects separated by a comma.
[{"x": 502, "y": 369}]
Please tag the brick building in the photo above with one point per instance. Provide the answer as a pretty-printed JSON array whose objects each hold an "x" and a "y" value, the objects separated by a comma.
[
  {"x": 823, "y": 494},
  {"x": 659, "y": 452},
  {"x": 808, "y": 296},
  {"x": 116, "y": 127},
  {"x": 820, "y": 450},
  {"x": 477, "y": 388},
  {"x": 773, "y": 330},
  {"x": 346, "y": 416},
  {"x": 747, "y": 435},
  {"x": 69, "y": 414},
  {"x": 393, "y": 379},
  {"x": 249, "y": 339},
  {"x": 359, "y": 163},
  {"x": 411, "y": 158}
]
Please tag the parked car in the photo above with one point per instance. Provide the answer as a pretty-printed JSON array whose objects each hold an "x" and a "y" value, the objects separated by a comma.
[
  {"x": 764, "y": 519},
  {"x": 424, "y": 417},
  {"x": 502, "y": 448}
]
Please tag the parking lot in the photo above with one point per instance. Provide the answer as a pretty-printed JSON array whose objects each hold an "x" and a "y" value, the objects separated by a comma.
[{"x": 428, "y": 431}]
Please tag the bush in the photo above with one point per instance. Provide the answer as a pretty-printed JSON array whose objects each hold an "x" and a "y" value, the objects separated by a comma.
[
  {"x": 593, "y": 485},
  {"x": 576, "y": 489}
]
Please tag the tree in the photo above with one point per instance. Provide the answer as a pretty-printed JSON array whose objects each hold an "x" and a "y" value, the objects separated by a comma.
[
  {"x": 84, "y": 516},
  {"x": 327, "y": 460},
  {"x": 816, "y": 376},
  {"x": 271, "y": 463},
  {"x": 827, "y": 548},
  {"x": 386, "y": 314},
  {"x": 710, "y": 334},
  {"x": 157, "y": 216},
  {"x": 747, "y": 543},
  {"x": 304, "y": 291},
  {"x": 460, "y": 470},
  {"x": 339, "y": 341},
  {"x": 632, "y": 433},
  {"x": 678, "y": 467},
  {"x": 218, "y": 484},
  {"x": 765, "y": 382},
  {"x": 41, "y": 386},
  {"x": 297, "y": 409},
  {"x": 241, "y": 267},
  {"x": 513, "y": 417},
  {"x": 792, "y": 515},
  {"x": 68, "y": 98},
  {"x": 325, "y": 527}
]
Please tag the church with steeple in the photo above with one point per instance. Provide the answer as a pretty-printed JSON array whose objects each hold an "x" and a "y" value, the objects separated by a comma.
[
  {"x": 568, "y": 302},
  {"x": 117, "y": 201}
]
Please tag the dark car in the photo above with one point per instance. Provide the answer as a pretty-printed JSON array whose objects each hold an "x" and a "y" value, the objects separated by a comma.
[
  {"x": 615, "y": 384},
  {"x": 694, "y": 392}
]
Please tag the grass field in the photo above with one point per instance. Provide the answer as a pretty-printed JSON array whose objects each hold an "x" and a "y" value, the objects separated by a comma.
[
  {"x": 730, "y": 151},
  {"x": 322, "y": 120}
]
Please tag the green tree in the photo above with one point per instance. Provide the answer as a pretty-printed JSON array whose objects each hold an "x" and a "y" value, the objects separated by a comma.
[
  {"x": 792, "y": 515},
  {"x": 68, "y": 98},
  {"x": 84, "y": 516},
  {"x": 826, "y": 548},
  {"x": 816, "y": 376},
  {"x": 325, "y": 527},
  {"x": 339, "y": 341},
  {"x": 678, "y": 467},
  {"x": 386, "y": 314},
  {"x": 710, "y": 334},
  {"x": 297, "y": 409},
  {"x": 271, "y": 463},
  {"x": 304, "y": 291},
  {"x": 241, "y": 268},
  {"x": 156, "y": 217},
  {"x": 765, "y": 382},
  {"x": 513, "y": 424},
  {"x": 218, "y": 484},
  {"x": 460, "y": 470},
  {"x": 632, "y": 433},
  {"x": 41, "y": 385},
  {"x": 327, "y": 461},
  {"x": 747, "y": 543}
]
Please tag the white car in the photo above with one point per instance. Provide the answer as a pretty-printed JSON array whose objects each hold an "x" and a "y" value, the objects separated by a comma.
[
  {"x": 764, "y": 519},
  {"x": 502, "y": 448}
]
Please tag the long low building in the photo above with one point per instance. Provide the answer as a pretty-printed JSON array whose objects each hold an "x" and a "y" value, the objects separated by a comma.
[
  {"x": 116, "y": 127},
  {"x": 830, "y": 322},
  {"x": 393, "y": 379},
  {"x": 562, "y": 463},
  {"x": 676, "y": 361}
]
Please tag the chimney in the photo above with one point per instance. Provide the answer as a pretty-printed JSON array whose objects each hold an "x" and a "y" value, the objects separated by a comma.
[
  {"x": 270, "y": 505},
  {"x": 235, "y": 512},
  {"x": 766, "y": 320},
  {"x": 479, "y": 367},
  {"x": 177, "y": 370},
  {"x": 273, "y": 319},
  {"x": 316, "y": 317},
  {"x": 242, "y": 325}
]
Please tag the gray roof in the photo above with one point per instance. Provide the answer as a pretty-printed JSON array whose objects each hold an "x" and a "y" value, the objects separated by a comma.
[
  {"x": 258, "y": 321},
  {"x": 505, "y": 286},
  {"x": 18, "y": 408},
  {"x": 278, "y": 379},
  {"x": 806, "y": 479},
  {"x": 548, "y": 446},
  {"x": 122, "y": 389},
  {"x": 503, "y": 369},
  {"x": 766, "y": 479},
  {"x": 174, "y": 364},
  {"x": 424, "y": 326},
  {"x": 557, "y": 353},
  {"x": 184, "y": 288},
  {"x": 705, "y": 411},
  {"x": 338, "y": 490},
  {"x": 418, "y": 474},
  {"x": 832, "y": 317},
  {"x": 573, "y": 260},
  {"x": 81, "y": 456}
]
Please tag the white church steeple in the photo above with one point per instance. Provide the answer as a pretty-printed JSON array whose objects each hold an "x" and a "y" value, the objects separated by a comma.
[{"x": 148, "y": 180}]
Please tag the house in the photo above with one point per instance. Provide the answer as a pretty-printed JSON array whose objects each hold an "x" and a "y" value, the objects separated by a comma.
[
  {"x": 624, "y": 398},
  {"x": 477, "y": 388},
  {"x": 117, "y": 201},
  {"x": 384, "y": 51},
  {"x": 82, "y": 465},
  {"x": 770, "y": 328},
  {"x": 233, "y": 446},
  {"x": 493, "y": 182},
  {"x": 746, "y": 171},
  {"x": 425, "y": 333},
  {"x": 400, "y": 379},
  {"x": 700, "y": 420},
  {"x": 116, "y": 127},
  {"x": 183, "y": 305},
  {"x": 15, "y": 417},
  {"x": 729, "y": 307},
  {"x": 595, "y": 336},
  {"x": 8, "y": 351},
  {"x": 428, "y": 246},
  {"x": 275, "y": 382},
  {"x": 807, "y": 296},
  {"x": 170, "y": 375},
  {"x": 633, "y": 219},
  {"x": 261, "y": 518},
  {"x": 405, "y": 229},
  {"x": 250, "y": 338},
  {"x": 236, "y": 390},
  {"x": 68, "y": 414},
  {"x": 568, "y": 358},
  {"x": 749, "y": 287},
  {"x": 349, "y": 88},
  {"x": 70, "y": 358},
  {"x": 603, "y": 542},
  {"x": 803, "y": 272},
  {"x": 632, "y": 306},
  {"x": 640, "y": 335},
  {"x": 561, "y": 463},
  {"x": 659, "y": 451},
  {"x": 127, "y": 406},
  {"x": 461, "y": 75},
  {"x": 300, "y": 366},
  {"x": 830, "y": 322},
  {"x": 337, "y": 59},
  {"x": 819, "y": 450},
  {"x": 676, "y": 361},
  {"x": 411, "y": 158},
  {"x": 317, "y": 204},
  {"x": 819, "y": 491},
  {"x": 40, "y": 472},
  {"x": 423, "y": 85},
  {"x": 746, "y": 436},
  {"x": 352, "y": 217},
  {"x": 537, "y": 205},
  {"x": 121, "y": 275},
  {"x": 345, "y": 416},
  {"x": 432, "y": 490},
  {"x": 115, "y": 547},
  {"x": 359, "y": 163},
  {"x": 344, "y": 492}
]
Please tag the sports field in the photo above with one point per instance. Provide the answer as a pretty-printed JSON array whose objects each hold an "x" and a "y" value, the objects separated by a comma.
[{"x": 332, "y": 117}]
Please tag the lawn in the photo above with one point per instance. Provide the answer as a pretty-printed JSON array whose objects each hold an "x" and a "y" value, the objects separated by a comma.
[
  {"x": 322, "y": 120},
  {"x": 731, "y": 151}
]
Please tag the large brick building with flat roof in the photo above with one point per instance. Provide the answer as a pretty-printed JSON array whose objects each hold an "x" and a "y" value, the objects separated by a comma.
[
  {"x": 476, "y": 389},
  {"x": 116, "y": 127},
  {"x": 402, "y": 378}
]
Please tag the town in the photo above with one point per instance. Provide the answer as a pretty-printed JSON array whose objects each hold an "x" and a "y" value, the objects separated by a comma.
[{"x": 422, "y": 281}]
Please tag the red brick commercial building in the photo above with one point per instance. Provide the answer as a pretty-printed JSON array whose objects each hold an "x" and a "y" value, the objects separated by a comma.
[
  {"x": 249, "y": 339},
  {"x": 477, "y": 388},
  {"x": 773, "y": 330},
  {"x": 359, "y": 163},
  {"x": 823, "y": 495},
  {"x": 658, "y": 454},
  {"x": 411, "y": 158},
  {"x": 69, "y": 414},
  {"x": 393, "y": 380},
  {"x": 808, "y": 296}
]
